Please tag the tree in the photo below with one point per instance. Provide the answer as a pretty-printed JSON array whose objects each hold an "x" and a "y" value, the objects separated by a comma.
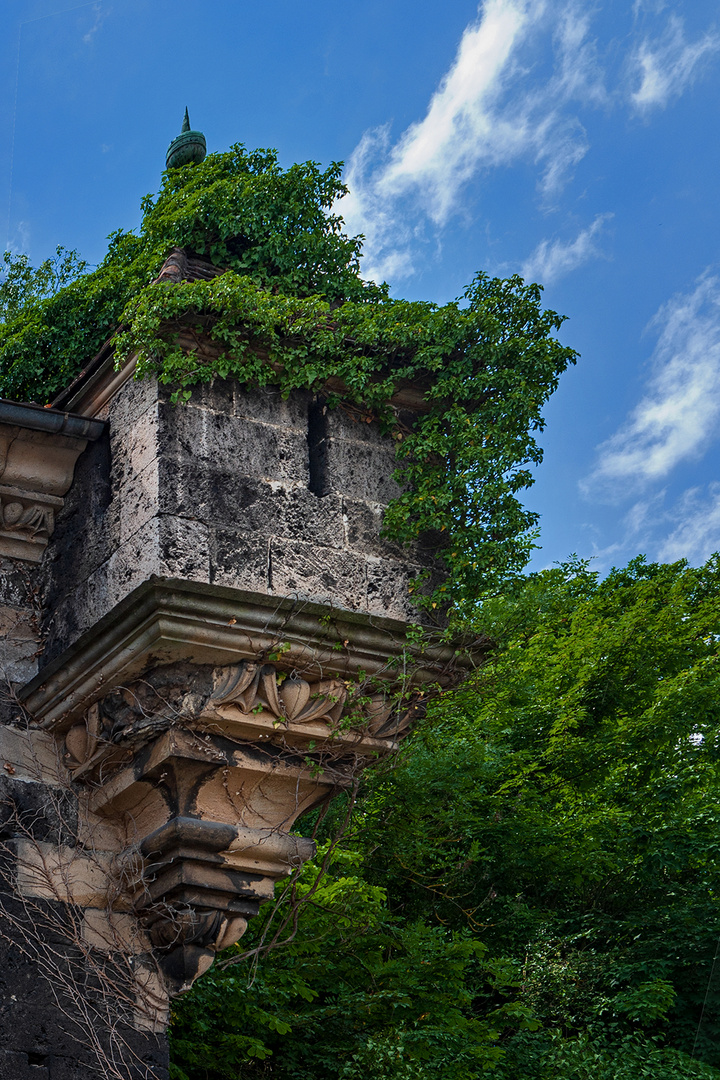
[{"x": 560, "y": 812}]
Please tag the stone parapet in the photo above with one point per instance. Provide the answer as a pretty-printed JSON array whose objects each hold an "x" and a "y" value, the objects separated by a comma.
[{"x": 238, "y": 488}]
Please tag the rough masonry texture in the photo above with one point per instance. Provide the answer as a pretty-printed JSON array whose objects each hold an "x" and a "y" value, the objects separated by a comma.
[{"x": 204, "y": 636}]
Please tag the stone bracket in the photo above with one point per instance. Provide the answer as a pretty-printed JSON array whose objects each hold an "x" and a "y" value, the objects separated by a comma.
[{"x": 38, "y": 452}]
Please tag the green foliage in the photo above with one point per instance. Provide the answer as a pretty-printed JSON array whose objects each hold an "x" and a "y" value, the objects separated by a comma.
[
  {"x": 22, "y": 286},
  {"x": 240, "y": 209},
  {"x": 564, "y": 804},
  {"x": 560, "y": 812},
  {"x": 551, "y": 1056},
  {"x": 272, "y": 226},
  {"x": 357, "y": 990},
  {"x": 52, "y": 325},
  {"x": 292, "y": 310}
]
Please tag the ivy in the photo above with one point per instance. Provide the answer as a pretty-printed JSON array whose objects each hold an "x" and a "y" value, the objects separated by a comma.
[{"x": 292, "y": 310}]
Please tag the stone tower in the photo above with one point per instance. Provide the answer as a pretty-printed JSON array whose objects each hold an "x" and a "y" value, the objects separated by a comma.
[{"x": 205, "y": 636}]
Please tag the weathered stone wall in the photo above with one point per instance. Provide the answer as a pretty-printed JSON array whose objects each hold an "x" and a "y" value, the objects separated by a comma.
[
  {"x": 41, "y": 1029},
  {"x": 19, "y": 630},
  {"x": 46, "y": 1027},
  {"x": 237, "y": 488}
]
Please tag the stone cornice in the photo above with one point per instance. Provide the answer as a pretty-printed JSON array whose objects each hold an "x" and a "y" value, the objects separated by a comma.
[{"x": 166, "y": 620}]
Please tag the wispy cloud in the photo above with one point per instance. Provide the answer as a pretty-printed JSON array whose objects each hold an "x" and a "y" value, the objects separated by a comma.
[
  {"x": 666, "y": 66},
  {"x": 697, "y": 533},
  {"x": 442, "y": 151},
  {"x": 489, "y": 111},
  {"x": 687, "y": 528},
  {"x": 19, "y": 244},
  {"x": 654, "y": 6},
  {"x": 100, "y": 16},
  {"x": 635, "y": 531},
  {"x": 678, "y": 416},
  {"x": 552, "y": 259}
]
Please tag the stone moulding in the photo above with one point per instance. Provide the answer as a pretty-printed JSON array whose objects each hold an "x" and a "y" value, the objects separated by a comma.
[{"x": 170, "y": 619}]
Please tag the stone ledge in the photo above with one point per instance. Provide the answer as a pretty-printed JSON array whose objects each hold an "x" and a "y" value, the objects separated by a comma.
[{"x": 166, "y": 620}]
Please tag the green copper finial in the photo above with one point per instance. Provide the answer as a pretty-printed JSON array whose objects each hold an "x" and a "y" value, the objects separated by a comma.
[{"x": 188, "y": 146}]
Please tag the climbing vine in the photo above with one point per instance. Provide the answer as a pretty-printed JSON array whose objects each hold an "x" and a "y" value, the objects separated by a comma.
[{"x": 292, "y": 309}]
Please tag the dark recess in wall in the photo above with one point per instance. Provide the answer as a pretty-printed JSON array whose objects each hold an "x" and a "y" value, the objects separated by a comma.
[{"x": 317, "y": 446}]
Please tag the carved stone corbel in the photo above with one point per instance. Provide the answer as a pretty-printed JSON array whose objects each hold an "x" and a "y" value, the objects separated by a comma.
[{"x": 202, "y": 773}]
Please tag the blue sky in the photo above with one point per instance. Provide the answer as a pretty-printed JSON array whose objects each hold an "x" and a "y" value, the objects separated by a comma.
[{"x": 575, "y": 143}]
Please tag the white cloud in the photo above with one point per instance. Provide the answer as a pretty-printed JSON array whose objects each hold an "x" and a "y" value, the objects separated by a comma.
[
  {"x": 100, "y": 17},
  {"x": 19, "y": 244},
  {"x": 634, "y": 532},
  {"x": 667, "y": 65},
  {"x": 689, "y": 529},
  {"x": 580, "y": 75},
  {"x": 442, "y": 151},
  {"x": 653, "y": 6},
  {"x": 678, "y": 416},
  {"x": 551, "y": 260},
  {"x": 489, "y": 111},
  {"x": 365, "y": 210},
  {"x": 697, "y": 533}
]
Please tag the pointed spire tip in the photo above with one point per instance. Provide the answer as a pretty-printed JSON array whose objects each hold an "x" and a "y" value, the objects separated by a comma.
[{"x": 186, "y": 147}]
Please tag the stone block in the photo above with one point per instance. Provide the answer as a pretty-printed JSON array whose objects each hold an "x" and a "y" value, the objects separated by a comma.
[
  {"x": 238, "y": 559},
  {"x": 323, "y": 575},
  {"x": 350, "y": 424},
  {"x": 135, "y": 397},
  {"x": 183, "y": 548},
  {"x": 133, "y": 562},
  {"x": 86, "y": 531},
  {"x": 250, "y": 504},
  {"x": 19, "y": 644},
  {"x": 16, "y": 583},
  {"x": 266, "y": 403},
  {"x": 217, "y": 396},
  {"x": 233, "y": 444},
  {"x": 134, "y": 448},
  {"x": 388, "y": 589},
  {"x": 361, "y": 471},
  {"x": 304, "y": 516},
  {"x": 198, "y": 490},
  {"x": 137, "y": 501},
  {"x": 77, "y": 609},
  {"x": 20, "y": 1065},
  {"x": 28, "y": 755},
  {"x": 362, "y": 524},
  {"x": 43, "y": 811}
]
